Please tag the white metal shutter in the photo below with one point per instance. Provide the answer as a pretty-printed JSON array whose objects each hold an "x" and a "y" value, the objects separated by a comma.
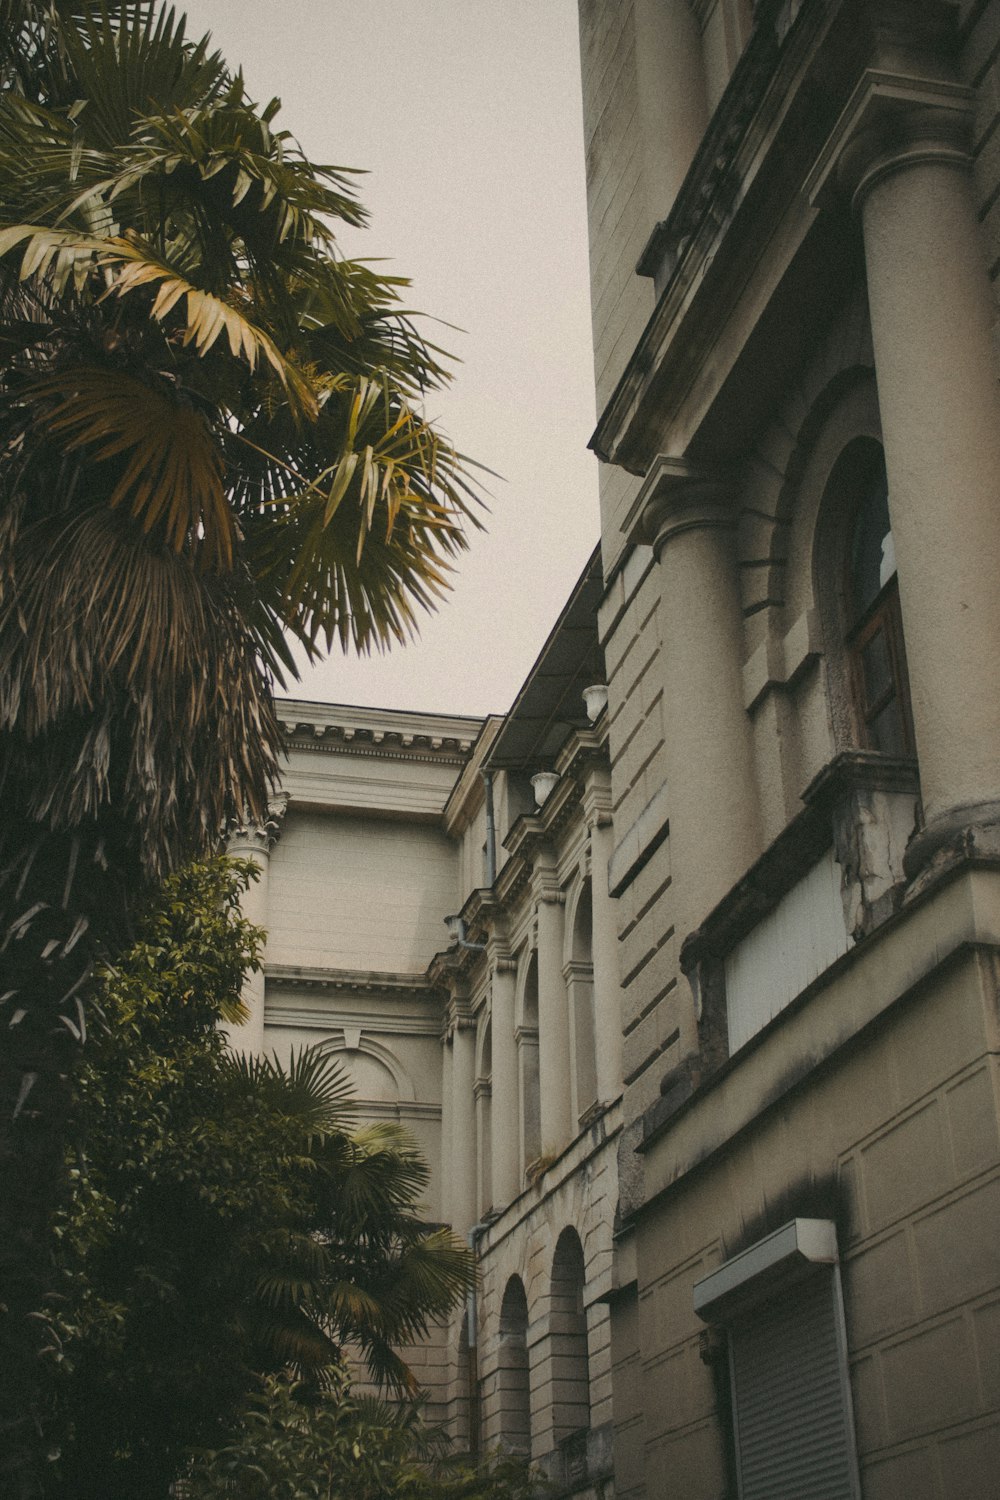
[{"x": 794, "y": 1431}]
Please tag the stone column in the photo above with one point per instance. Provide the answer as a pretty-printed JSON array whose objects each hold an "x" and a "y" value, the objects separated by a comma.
[
  {"x": 504, "y": 1104},
  {"x": 902, "y": 149},
  {"x": 673, "y": 108},
  {"x": 714, "y": 823},
  {"x": 604, "y": 939},
  {"x": 553, "y": 1013},
  {"x": 463, "y": 1125},
  {"x": 447, "y": 1112},
  {"x": 254, "y": 841}
]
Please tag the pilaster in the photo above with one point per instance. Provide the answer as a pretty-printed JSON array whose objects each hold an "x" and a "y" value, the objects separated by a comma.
[
  {"x": 254, "y": 841},
  {"x": 553, "y": 1012},
  {"x": 504, "y": 1111}
]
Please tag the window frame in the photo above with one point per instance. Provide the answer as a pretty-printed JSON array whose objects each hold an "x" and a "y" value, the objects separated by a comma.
[{"x": 883, "y": 614}]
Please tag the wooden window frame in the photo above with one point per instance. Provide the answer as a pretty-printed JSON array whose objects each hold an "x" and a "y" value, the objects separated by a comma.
[{"x": 884, "y": 615}]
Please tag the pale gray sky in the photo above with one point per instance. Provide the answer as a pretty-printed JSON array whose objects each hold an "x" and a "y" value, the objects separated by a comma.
[{"x": 466, "y": 115}]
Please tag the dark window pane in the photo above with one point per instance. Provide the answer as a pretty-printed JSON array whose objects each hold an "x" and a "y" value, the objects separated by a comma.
[
  {"x": 877, "y": 665},
  {"x": 873, "y": 558},
  {"x": 886, "y": 732}
]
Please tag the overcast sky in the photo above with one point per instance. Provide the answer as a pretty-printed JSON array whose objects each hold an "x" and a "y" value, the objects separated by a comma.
[{"x": 466, "y": 115}]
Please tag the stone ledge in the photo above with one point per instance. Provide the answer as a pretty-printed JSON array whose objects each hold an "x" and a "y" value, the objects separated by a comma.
[{"x": 958, "y": 915}]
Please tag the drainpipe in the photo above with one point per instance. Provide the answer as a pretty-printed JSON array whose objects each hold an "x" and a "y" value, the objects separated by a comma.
[
  {"x": 473, "y": 1236},
  {"x": 491, "y": 830}
]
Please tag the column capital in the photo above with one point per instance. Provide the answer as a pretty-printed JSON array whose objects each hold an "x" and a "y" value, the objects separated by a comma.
[
  {"x": 549, "y": 895},
  {"x": 892, "y": 123},
  {"x": 677, "y": 496},
  {"x": 246, "y": 835}
]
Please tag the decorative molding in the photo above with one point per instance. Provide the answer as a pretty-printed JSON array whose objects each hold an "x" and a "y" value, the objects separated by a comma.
[
  {"x": 386, "y": 733},
  {"x": 387, "y": 1109},
  {"x": 585, "y": 750},
  {"x": 376, "y": 1023},
  {"x": 259, "y": 838},
  {"x": 352, "y": 981},
  {"x": 678, "y": 496},
  {"x": 891, "y": 122}
]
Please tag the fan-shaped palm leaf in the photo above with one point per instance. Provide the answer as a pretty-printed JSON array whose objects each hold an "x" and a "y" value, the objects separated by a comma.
[
  {"x": 313, "y": 1090},
  {"x": 171, "y": 475}
]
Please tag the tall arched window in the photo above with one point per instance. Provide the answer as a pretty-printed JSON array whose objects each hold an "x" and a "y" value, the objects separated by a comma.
[
  {"x": 512, "y": 1371},
  {"x": 570, "y": 1362},
  {"x": 873, "y": 623}
]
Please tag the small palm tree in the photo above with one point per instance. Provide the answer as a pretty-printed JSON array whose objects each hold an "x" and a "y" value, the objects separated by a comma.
[
  {"x": 357, "y": 1268},
  {"x": 228, "y": 1219},
  {"x": 211, "y": 445}
]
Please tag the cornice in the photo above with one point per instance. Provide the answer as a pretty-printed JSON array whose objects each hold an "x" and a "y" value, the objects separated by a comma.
[
  {"x": 389, "y": 734},
  {"x": 743, "y": 186},
  {"x": 352, "y": 981},
  {"x": 468, "y": 794},
  {"x": 584, "y": 749},
  {"x": 532, "y": 832},
  {"x": 380, "y": 1023},
  {"x": 450, "y": 969}
]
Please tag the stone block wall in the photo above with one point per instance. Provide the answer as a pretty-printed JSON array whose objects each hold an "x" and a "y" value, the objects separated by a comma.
[{"x": 899, "y": 1144}]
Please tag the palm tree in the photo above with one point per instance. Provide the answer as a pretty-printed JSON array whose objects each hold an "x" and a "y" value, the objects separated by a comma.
[
  {"x": 228, "y": 1217},
  {"x": 211, "y": 444}
]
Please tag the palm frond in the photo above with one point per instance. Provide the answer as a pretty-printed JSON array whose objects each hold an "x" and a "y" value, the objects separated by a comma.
[
  {"x": 171, "y": 474},
  {"x": 129, "y": 684},
  {"x": 313, "y": 1090}
]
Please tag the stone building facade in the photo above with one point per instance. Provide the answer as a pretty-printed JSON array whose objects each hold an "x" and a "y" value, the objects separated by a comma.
[{"x": 708, "y": 1067}]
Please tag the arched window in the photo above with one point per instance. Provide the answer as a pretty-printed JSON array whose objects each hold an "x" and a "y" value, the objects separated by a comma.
[
  {"x": 570, "y": 1363},
  {"x": 512, "y": 1371},
  {"x": 873, "y": 627}
]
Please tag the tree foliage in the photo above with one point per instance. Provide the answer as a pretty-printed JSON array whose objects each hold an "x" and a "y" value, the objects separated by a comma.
[
  {"x": 290, "y": 1445},
  {"x": 211, "y": 443},
  {"x": 210, "y": 426},
  {"x": 227, "y": 1219}
]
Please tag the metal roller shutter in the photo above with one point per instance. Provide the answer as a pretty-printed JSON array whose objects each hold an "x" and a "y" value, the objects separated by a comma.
[{"x": 794, "y": 1433}]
